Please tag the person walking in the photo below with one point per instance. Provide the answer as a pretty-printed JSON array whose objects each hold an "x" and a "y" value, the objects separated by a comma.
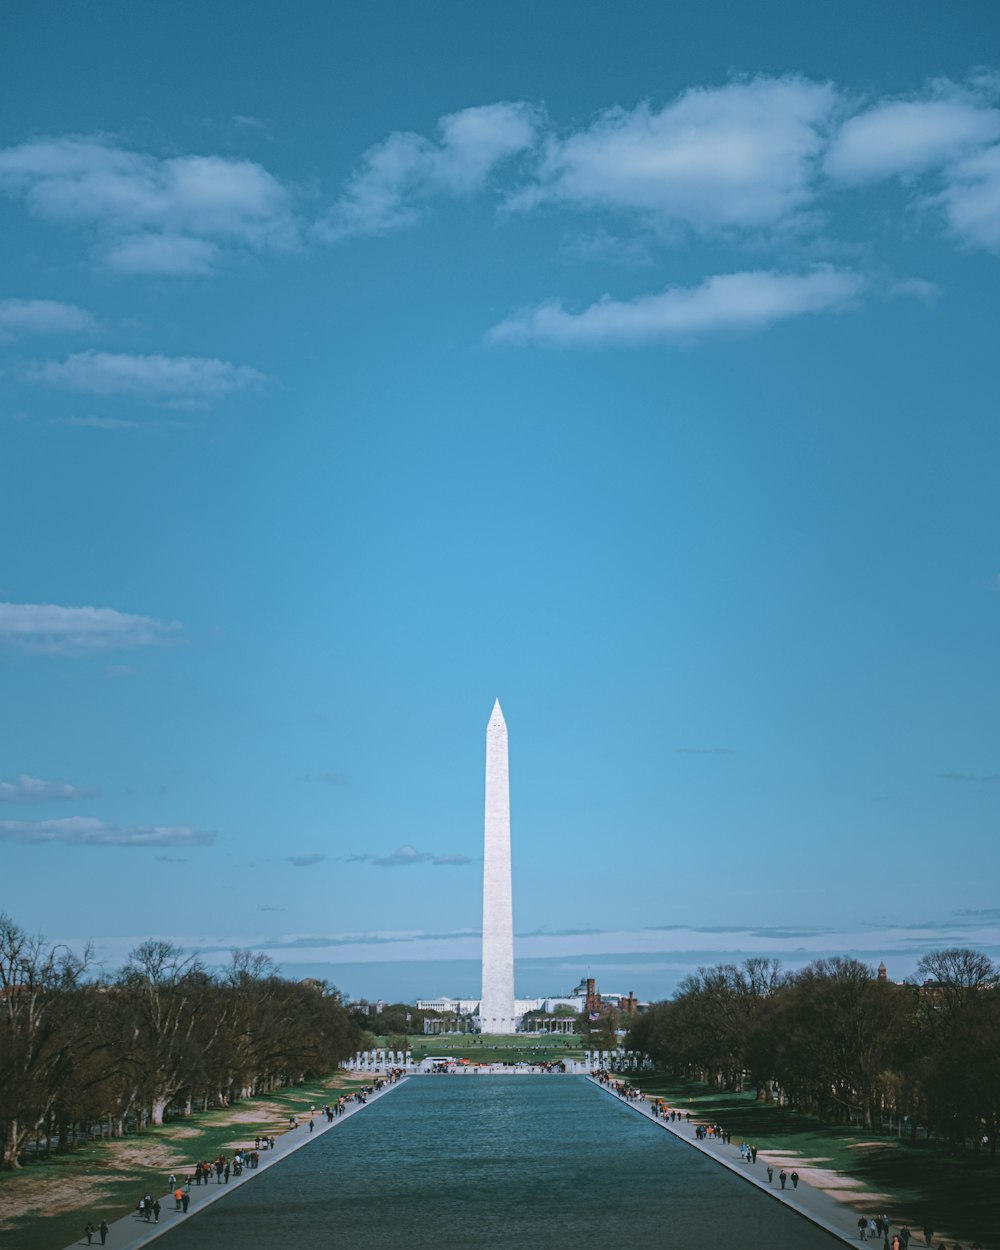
[
  {"x": 156, "y": 1211},
  {"x": 178, "y": 1195},
  {"x": 782, "y": 1176},
  {"x": 88, "y": 1232},
  {"x": 795, "y": 1180},
  {"x": 186, "y": 1201},
  {"x": 770, "y": 1174},
  {"x": 102, "y": 1228},
  {"x": 862, "y": 1228}
]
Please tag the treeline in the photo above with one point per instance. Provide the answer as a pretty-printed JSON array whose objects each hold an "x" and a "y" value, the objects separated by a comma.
[
  {"x": 82, "y": 1053},
  {"x": 841, "y": 1042}
]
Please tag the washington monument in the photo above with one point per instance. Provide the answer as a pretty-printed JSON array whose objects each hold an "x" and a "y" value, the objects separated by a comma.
[{"x": 496, "y": 1008}]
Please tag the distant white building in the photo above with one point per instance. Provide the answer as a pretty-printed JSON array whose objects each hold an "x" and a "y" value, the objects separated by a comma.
[
  {"x": 470, "y": 1006},
  {"x": 461, "y": 1015}
]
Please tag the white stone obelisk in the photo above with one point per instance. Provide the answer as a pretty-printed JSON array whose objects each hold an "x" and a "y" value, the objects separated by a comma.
[{"x": 496, "y": 1008}]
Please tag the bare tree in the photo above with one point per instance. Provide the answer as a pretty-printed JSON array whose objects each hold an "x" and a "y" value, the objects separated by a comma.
[{"x": 36, "y": 994}]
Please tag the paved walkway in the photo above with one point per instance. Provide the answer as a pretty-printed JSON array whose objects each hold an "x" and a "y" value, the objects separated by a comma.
[
  {"x": 812, "y": 1204},
  {"x": 131, "y": 1232}
]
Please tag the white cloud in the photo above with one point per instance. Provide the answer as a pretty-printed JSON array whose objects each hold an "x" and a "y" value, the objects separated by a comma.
[
  {"x": 399, "y": 174},
  {"x": 917, "y": 288},
  {"x": 327, "y": 779},
  {"x": 908, "y": 137},
  {"x": 726, "y": 302},
  {"x": 305, "y": 861},
  {"x": 51, "y": 629},
  {"x": 96, "y": 423},
  {"x": 405, "y": 855},
  {"x": 602, "y": 246},
  {"x": 168, "y": 254},
  {"x": 171, "y": 379},
  {"x": 85, "y": 831},
  {"x": 43, "y": 316},
  {"x": 246, "y": 122},
  {"x": 741, "y": 155},
  {"x": 34, "y": 790},
  {"x": 972, "y": 199},
  {"x": 123, "y": 194}
]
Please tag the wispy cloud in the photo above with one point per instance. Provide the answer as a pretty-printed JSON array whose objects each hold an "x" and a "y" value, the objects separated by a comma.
[
  {"x": 85, "y": 831},
  {"x": 704, "y": 750},
  {"x": 34, "y": 790},
  {"x": 326, "y": 779},
  {"x": 399, "y": 175},
  {"x": 51, "y": 629},
  {"x": 171, "y": 859},
  {"x": 915, "y": 288},
  {"x": 975, "y": 778},
  {"x": 180, "y": 380},
  {"x": 660, "y": 956},
  {"x": 246, "y": 122},
  {"x": 177, "y": 255},
  {"x": 175, "y": 215},
  {"x": 406, "y": 855},
  {"x": 971, "y": 199},
  {"x": 96, "y": 423},
  {"x": 305, "y": 861},
  {"x": 724, "y": 303},
  {"x": 21, "y": 317},
  {"x": 602, "y": 246}
]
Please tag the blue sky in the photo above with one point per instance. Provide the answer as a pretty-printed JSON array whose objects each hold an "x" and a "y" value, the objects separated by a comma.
[{"x": 362, "y": 363}]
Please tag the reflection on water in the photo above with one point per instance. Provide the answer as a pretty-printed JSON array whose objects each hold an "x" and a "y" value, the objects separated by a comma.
[{"x": 496, "y": 1162}]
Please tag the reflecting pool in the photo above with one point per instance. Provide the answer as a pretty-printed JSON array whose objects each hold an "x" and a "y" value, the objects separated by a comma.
[{"x": 497, "y": 1162}]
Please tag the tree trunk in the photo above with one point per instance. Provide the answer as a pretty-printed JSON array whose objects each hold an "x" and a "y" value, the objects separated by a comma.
[{"x": 12, "y": 1145}]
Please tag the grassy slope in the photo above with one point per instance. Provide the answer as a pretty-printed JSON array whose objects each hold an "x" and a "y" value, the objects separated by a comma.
[
  {"x": 106, "y": 1179},
  {"x": 959, "y": 1193}
]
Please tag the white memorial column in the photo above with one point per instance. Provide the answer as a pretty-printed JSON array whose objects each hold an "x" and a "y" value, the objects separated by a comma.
[{"x": 496, "y": 1010}]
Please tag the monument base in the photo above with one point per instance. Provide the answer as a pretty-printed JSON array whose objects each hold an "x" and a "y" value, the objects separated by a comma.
[{"x": 500, "y": 1025}]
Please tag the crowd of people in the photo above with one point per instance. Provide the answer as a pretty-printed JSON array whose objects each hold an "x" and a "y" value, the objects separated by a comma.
[{"x": 879, "y": 1227}]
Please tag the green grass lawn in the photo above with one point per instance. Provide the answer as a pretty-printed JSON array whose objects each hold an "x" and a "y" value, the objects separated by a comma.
[
  {"x": 960, "y": 1194},
  {"x": 106, "y": 1179}
]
